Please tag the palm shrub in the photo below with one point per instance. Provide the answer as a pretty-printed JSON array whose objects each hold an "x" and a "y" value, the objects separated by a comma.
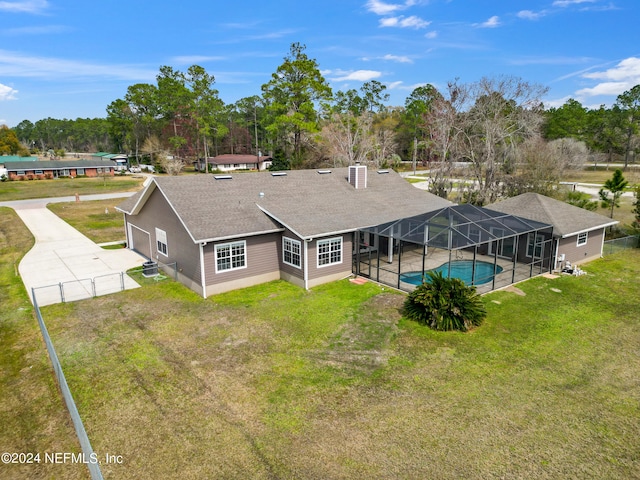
[{"x": 445, "y": 304}]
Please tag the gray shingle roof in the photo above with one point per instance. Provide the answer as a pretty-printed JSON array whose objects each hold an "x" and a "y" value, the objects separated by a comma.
[
  {"x": 566, "y": 219},
  {"x": 58, "y": 164},
  {"x": 309, "y": 203}
]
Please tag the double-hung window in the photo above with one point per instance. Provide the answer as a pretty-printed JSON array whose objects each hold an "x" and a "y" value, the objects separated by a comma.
[
  {"x": 582, "y": 239},
  {"x": 161, "y": 242},
  {"x": 231, "y": 256},
  {"x": 291, "y": 252},
  {"x": 329, "y": 251}
]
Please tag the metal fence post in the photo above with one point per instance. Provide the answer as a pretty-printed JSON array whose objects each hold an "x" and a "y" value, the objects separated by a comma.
[{"x": 61, "y": 292}]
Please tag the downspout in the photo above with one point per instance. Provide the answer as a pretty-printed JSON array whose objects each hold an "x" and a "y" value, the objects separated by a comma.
[
  {"x": 202, "y": 272},
  {"x": 555, "y": 257},
  {"x": 126, "y": 231},
  {"x": 306, "y": 265}
]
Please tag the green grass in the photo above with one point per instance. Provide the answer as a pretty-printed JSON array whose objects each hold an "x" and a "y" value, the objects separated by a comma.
[
  {"x": 97, "y": 219},
  {"x": 33, "y": 417},
  {"x": 62, "y": 187},
  {"x": 277, "y": 382}
]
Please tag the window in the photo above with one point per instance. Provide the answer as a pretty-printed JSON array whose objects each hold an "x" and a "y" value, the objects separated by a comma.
[
  {"x": 534, "y": 245},
  {"x": 39, "y": 172},
  {"x": 80, "y": 171},
  {"x": 329, "y": 251},
  {"x": 21, "y": 172},
  {"x": 582, "y": 239},
  {"x": 231, "y": 256},
  {"x": 99, "y": 170},
  {"x": 291, "y": 252},
  {"x": 161, "y": 241},
  {"x": 65, "y": 172}
]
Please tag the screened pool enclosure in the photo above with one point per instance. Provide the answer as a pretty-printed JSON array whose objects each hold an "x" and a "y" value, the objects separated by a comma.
[{"x": 484, "y": 248}]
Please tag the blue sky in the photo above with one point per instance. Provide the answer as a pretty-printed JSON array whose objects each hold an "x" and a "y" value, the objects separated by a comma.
[{"x": 71, "y": 58}]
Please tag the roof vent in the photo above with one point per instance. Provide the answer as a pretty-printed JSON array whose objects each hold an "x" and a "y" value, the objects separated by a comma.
[
  {"x": 383, "y": 171},
  {"x": 324, "y": 172},
  {"x": 279, "y": 174},
  {"x": 222, "y": 177},
  {"x": 261, "y": 195}
]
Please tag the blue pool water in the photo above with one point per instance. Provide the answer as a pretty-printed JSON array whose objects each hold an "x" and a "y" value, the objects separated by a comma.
[{"x": 462, "y": 269}]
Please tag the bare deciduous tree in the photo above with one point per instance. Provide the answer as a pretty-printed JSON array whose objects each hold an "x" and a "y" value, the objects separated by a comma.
[{"x": 495, "y": 116}]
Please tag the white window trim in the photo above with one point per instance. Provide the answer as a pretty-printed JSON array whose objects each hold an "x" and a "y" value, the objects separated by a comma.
[
  {"x": 230, "y": 245},
  {"x": 293, "y": 242},
  {"x": 533, "y": 236},
  {"x": 328, "y": 240},
  {"x": 586, "y": 239},
  {"x": 161, "y": 239}
]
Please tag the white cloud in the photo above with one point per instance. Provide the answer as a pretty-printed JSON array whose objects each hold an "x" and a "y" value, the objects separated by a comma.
[
  {"x": 7, "y": 93},
  {"x": 404, "y": 22},
  {"x": 624, "y": 76},
  {"x": 358, "y": 75},
  {"x": 431, "y": 35},
  {"x": 28, "y": 6},
  {"x": 567, "y": 3},
  {"x": 530, "y": 15},
  {"x": 605, "y": 88},
  {"x": 195, "y": 59},
  {"x": 382, "y": 8},
  {"x": 491, "y": 23},
  {"x": 397, "y": 58},
  {"x": 17, "y": 65},
  {"x": 37, "y": 30}
]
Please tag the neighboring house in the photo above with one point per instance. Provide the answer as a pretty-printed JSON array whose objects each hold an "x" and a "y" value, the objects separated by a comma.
[
  {"x": 5, "y": 159},
  {"x": 232, "y": 231},
  {"x": 230, "y": 162},
  {"x": 578, "y": 233},
  {"x": 120, "y": 160},
  {"x": 31, "y": 170}
]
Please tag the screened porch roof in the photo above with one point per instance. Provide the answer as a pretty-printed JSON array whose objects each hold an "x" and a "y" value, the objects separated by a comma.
[{"x": 457, "y": 227}]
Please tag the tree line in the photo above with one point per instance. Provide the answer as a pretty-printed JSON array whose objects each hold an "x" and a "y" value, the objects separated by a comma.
[{"x": 497, "y": 127}]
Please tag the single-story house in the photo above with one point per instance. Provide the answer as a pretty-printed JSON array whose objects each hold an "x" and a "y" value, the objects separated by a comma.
[
  {"x": 42, "y": 169},
  {"x": 120, "y": 160},
  {"x": 231, "y": 231},
  {"x": 230, "y": 162},
  {"x": 578, "y": 234}
]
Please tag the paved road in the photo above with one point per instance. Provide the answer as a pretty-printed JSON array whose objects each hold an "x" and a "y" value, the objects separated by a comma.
[{"x": 62, "y": 254}]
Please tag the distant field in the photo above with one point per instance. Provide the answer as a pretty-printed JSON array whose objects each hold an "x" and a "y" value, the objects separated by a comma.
[
  {"x": 278, "y": 382},
  {"x": 62, "y": 187},
  {"x": 96, "y": 219}
]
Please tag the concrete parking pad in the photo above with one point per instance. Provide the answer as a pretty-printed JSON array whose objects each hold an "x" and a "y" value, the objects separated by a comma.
[{"x": 63, "y": 255}]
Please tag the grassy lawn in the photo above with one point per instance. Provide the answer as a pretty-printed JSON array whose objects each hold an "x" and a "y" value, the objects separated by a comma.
[
  {"x": 33, "y": 417},
  {"x": 278, "y": 382},
  {"x": 96, "y": 219},
  {"x": 62, "y": 187}
]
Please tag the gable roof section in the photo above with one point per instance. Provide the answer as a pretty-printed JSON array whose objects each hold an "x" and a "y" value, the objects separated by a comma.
[
  {"x": 567, "y": 220},
  {"x": 307, "y": 202}
]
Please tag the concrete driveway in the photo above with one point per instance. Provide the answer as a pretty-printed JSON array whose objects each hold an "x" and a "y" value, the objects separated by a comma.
[{"x": 62, "y": 254}]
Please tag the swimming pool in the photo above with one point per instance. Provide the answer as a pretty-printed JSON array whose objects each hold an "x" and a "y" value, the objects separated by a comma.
[{"x": 462, "y": 269}]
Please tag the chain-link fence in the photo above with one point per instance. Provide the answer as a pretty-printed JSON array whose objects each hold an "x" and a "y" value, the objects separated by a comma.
[
  {"x": 82, "y": 289},
  {"x": 619, "y": 244},
  {"x": 85, "y": 444}
]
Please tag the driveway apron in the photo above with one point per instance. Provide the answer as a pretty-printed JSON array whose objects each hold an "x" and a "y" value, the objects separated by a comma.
[{"x": 62, "y": 254}]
